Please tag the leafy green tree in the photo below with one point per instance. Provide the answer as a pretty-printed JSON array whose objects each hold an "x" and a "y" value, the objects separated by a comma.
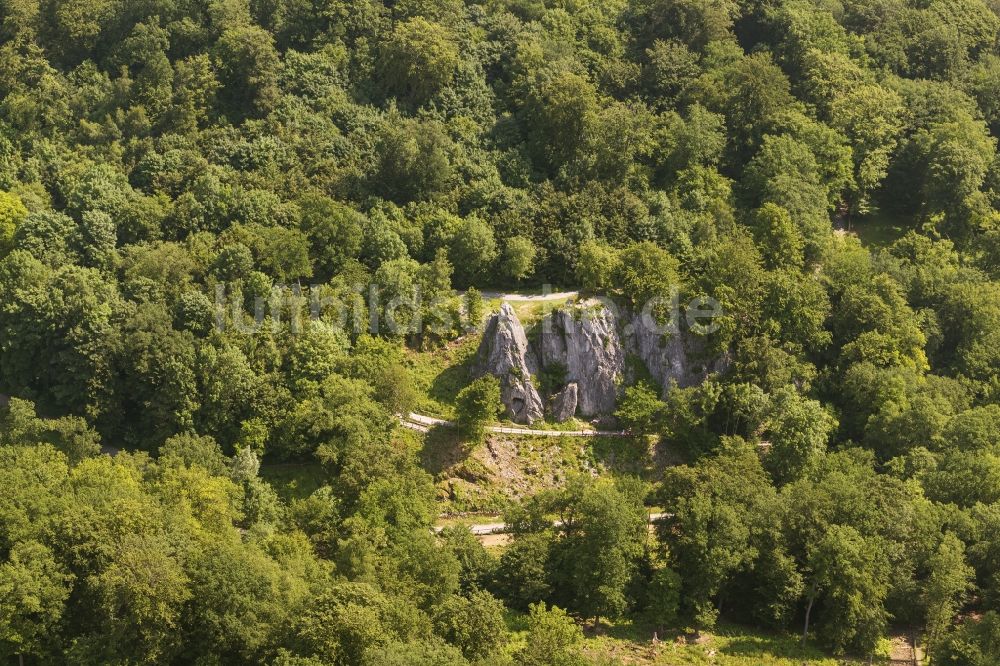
[
  {"x": 712, "y": 533},
  {"x": 785, "y": 172},
  {"x": 476, "y": 406},
  {"x": 969, "y": 314},
  {"x": 224, "y": 574},
  {"x": 233, "y": 397},
  {"x": 46, "y": 236},
  {"x": 875, "y": 324},
  {"x": 315, "y": 356},
  {"x": 34, "y": 589},
  {"x": 704, "y": 191},
  {"x": 417, "y": 61},
  {"x": 757, "y": 91},
  {"x": 194, "y": 88},
  {"x": 412, "y": 160},
  {"x": 473, "y": 250},
  {"x": 671, "y": 69},
  {"x": 155, "y": 395},
  {"x": 144, "y": 50},
  {"x": 260, "y": 502},
  {"x": 782, "y": 240},
  {"x": 141, "y": 594},
  {"x": 74, "y": 29},
  {"x": 604, "y": 525},
  {"x": 474, "y": 308},
  {"x": 695, "y": 24},
  {"x": 975, "y": 429},
  {"x": 640, "y": 409},
  {"x": 519, "y": 258},
  {"x": 699, "y": 139},
  {"x": 80, "y": 341},
  {"x": 798, "y": 429},
  {"x": 664, "y": 597},
  {"x": 800, "y": 308},
  {"x": 247, "y": 64},
  {"x": 233, "y": 262},
  {"x": 557, "y": 112},
  {"x": 195, "y": 312},
  {"x": 334, "y": 232},
  {"x": 349, "y": 432},
  {"x": 280, "y": 252},
  {"x": 475, "y": 623},
  {"x": 12, "y": 213},
  {"x": 70, "y": 435},
  {"x": 381, "y": 363},
  {"x": 188, "y": 449},
  {"x": 948, "y": 583},
  {"x": 870, "y": 115},
  {"x": 596, "y": 265},
  {"x": 553, "y": 638},
  {"x": 619, "y": 150},
  {"x": 104, "y": 188},
  {"x": 842, "y": 525},
  {"x": 398, "y": 283},
  {"x": 852, "y": 575},
  {"x": 965, "y": 478},
  {"x": 30, "y": 506},
  {"x": 976, "y": 643},
  {"x": 954, "y": 159},
  {"x": 522, "y": 576},
  {"x": 647, "y": 271},
  {"x": 478, "y": 564},
  {"x": 417, "y": 653},
  {"x": 94, "y": 241}
]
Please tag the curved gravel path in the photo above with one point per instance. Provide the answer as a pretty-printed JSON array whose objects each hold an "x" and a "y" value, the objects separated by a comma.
[
  {"x": 483, "y": 529},
  {"x": 422, "y": 423}
]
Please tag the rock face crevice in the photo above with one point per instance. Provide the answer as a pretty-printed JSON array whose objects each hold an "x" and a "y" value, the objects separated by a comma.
[
  {"x": 504, "y": 353},
  {"x": 587, "y": 345},
  {"x": 563, "y": 404}
]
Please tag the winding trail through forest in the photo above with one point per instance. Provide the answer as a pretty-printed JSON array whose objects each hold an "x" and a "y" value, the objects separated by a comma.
[
  {"x": 422, "y": 423},
  {"x": 485, "y": 529}
]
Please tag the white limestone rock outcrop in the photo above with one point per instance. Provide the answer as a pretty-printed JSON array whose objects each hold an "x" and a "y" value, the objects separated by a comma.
[
  {"x": 671, "y": 356},
  {"x": 585, "y": 342},
  {"x": 563, "y": 404},
  {"x": 504, "y": 353},
  {"x": 583, "y": 350}
]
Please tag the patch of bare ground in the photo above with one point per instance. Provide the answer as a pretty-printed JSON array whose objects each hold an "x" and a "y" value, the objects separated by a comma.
[
  {"x": 632, "y": 654},
  {"x": 494, "y": 540},
  {"x": 505, "y": 468},
  {"x": 902, "y": 652},
  {"x": 486, "y": 477}
]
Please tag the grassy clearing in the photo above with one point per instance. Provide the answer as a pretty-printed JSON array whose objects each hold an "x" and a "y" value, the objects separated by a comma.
[
  {"x": 730, "y": 645},
  {"x": 531, "y": 312},
  {"x": 629, "y": 642},
  {"x": 438, "y": 375},
  {"x": 528, "y": 312}
]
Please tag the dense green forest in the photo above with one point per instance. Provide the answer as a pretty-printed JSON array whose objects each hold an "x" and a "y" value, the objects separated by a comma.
[{"x": 170, "y": 170}]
